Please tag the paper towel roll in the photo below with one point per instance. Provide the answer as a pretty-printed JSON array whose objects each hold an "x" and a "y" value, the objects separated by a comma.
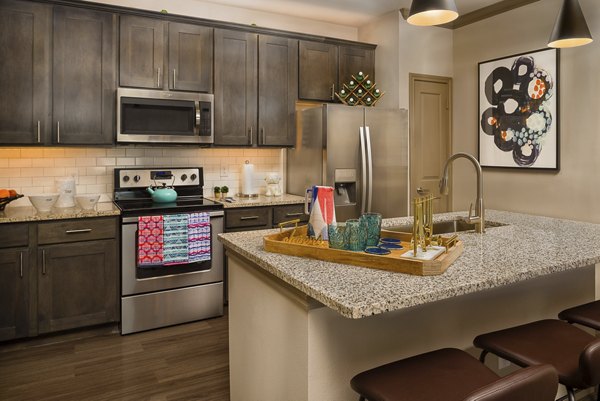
[{"x": 248, "y": 179}]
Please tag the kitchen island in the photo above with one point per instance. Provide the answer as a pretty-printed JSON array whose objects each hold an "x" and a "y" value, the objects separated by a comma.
[{"x": 301, "y": 328}]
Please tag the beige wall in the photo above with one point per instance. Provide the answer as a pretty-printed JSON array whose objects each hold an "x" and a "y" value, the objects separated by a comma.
[
  {"x": 573, "y": 192},
  {"x": 208, "y": 10},
  {"x": 403, "y": 49}
]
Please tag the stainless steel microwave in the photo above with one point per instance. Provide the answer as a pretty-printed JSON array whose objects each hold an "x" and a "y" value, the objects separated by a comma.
[{"x": 152, "y": 116}]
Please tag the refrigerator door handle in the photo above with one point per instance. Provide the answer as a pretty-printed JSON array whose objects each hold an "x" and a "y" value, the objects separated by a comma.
[
  {"x": 363, "y": 159},
  {"x": 370, "y": 169}
]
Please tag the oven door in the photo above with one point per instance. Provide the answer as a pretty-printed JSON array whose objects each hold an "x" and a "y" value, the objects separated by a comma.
[
  {"x": 139, "y": 280},
  {"x": 164, "y": 117}
]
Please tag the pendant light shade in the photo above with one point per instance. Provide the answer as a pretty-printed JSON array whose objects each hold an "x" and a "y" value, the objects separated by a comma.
[
  {"x": 432, "y": 12},
  {"x": 570, "y": 28}
]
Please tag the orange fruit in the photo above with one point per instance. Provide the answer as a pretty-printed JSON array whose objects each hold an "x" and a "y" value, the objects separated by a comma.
[
  {"x": 12, "y": 193},
  {"x": 4, "y": 193}
]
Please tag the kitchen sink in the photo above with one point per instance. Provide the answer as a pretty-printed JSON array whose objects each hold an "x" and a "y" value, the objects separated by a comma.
[{"x": 445, "y": 227}]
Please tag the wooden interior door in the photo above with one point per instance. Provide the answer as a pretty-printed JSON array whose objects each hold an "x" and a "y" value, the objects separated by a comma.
[{"x": 430, "y": 135}]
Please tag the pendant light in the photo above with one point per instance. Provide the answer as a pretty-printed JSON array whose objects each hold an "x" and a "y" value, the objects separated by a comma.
[
  {"x": 570, "y": 28},
  {"x": 432, "y": 12}
]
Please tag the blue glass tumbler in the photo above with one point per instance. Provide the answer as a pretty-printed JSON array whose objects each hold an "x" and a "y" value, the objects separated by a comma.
[
  {"x": 372, "y": 225},
  {"x": 337, "y": 236},
  {"x": 356, "y": 234}
]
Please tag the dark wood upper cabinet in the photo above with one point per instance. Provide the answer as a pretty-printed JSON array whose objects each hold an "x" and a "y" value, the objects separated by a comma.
[
  {"x": 353, "y": 60},
  {"x": 142, "y": 52},
  {"x": 14, "y": 293},
  {"x": 190, "y": 57},
  {"x": 235, "y": 87},
  {"x": 277, "y": 91},
  {"x": 77, "y": 285},
  {"x": 84, "y": 76},
  {"x": 25, "y": 72},
  {"x": 318, "y": 71}
]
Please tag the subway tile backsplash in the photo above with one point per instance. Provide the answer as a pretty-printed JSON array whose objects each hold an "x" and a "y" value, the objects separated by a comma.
[{"x": 33, "y": 170}]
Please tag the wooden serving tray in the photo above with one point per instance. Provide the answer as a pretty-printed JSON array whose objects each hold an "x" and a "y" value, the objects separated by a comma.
[{"x": 393, "y": 262}]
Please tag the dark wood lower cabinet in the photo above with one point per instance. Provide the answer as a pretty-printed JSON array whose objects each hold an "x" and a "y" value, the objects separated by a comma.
[
  {"x": 14, "y": 293},
  {"x": 77, "y": 285}
]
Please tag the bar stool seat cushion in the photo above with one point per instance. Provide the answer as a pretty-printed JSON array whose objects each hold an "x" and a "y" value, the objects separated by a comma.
[
  {"x": 574, "y": 353},
  {"x": 453, "y": 375},
  {"x": 586, "y": 315}
]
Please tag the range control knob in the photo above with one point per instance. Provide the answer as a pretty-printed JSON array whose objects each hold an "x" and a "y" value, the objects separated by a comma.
[
  {"x": 136, "y": 178},
  {"x": 183, "y": 177},
  {"x": 125, "y": 178},
  {"x": 193, "y": 177}
]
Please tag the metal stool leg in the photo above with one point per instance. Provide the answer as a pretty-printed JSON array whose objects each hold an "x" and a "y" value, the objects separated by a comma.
[
  {"x": 482, "y": 356},
  {"x": 571, "y": 394}
]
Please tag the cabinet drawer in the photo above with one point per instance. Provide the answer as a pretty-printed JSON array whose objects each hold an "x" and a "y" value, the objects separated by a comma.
[
  {"x": 14, "y": 235},
  {"x": 76, "y": 230},
  {"x": 289, "y": 212},
  {"x": 248, "y": 217}
]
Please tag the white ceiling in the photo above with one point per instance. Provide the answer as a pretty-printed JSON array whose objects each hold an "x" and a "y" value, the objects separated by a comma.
[{"x": 343, "y": 12}]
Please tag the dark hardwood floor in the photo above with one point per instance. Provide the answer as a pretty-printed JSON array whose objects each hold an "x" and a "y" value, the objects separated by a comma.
[{"x": 186, "y": 362}]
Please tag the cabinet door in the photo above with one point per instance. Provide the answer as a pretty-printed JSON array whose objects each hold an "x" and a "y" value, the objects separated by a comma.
[
  {"x": 318, "y": 69},
  {"x": 142, "y": 52},
  {"x": 278, "y": 90},
  {"x": 84, "y": 76},
  {"x": 353, "y": 60},
  {"x": 190, "y": 57},
  {"x": 25, "y": 71},
  {"x": 14, "y": 293},
  {"x": 235, "y": 87},
  {"x": 77, "y": 285}
]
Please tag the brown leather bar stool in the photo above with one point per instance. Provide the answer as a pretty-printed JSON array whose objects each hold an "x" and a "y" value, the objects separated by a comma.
[
  {"x": 452, "y": 375},
  {"x": 586, "y": 315},
  {"x": 574, "y": 353}
]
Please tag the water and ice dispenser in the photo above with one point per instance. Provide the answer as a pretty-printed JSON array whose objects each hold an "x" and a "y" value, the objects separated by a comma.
[{"x": 345, "y": 187}]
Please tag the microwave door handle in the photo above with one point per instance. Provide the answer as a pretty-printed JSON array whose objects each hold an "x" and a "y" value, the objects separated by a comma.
[{"x": 197, "y": 105}]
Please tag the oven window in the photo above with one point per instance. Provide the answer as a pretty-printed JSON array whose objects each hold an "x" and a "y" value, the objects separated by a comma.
[{"x": 157, "y": 117}]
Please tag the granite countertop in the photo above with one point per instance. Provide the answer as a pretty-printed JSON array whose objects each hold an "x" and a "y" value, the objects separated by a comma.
[
  {"x": 21, "y": 214},
  {"x": 261, "y": 200},
  {"x": 527, "y": 247}
]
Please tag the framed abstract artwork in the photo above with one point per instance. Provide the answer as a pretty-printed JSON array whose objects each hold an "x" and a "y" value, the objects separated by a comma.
[{"x": 518, "y": 111}]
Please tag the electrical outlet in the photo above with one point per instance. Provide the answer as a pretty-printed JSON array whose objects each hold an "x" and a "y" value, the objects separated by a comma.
[
  {"x": 224, "y": 170},
  {"x": 503, "y": 364}
]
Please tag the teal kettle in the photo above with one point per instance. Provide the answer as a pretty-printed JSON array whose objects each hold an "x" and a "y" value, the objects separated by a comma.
[{"x": 162, "y": 194}]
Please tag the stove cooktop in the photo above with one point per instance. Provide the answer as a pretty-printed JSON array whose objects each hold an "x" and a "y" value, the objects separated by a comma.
[{"x": 181, "y": 205}]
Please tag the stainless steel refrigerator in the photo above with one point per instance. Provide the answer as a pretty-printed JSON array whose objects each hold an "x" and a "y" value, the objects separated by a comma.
[{"x": 360, "y": 151}]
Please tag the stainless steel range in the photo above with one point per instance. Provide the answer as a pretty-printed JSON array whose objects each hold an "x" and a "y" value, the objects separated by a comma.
[{"x": 158, "y": 293}]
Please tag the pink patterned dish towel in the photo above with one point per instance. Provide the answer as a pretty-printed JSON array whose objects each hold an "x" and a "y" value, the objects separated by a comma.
[{"x": 150, "y": 241}]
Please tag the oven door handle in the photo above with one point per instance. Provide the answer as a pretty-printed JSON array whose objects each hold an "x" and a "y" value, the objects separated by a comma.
[{"x": 219, "y": 213}]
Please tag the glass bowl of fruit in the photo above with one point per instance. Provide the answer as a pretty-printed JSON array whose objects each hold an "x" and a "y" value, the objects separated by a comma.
[{"x": 7, "y": 196}]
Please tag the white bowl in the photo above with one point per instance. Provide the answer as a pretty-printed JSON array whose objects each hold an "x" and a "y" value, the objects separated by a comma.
[
  {"x": 88, "y": 201},
  {"x": 43, "y": 202}
]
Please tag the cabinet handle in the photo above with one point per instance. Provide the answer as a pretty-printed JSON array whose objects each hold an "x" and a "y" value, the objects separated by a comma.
[
  {"x": 250, "y": 135},
  {"x": 21, "y": 260},
  {"x": 333, "y": 92},
  {"x": 39, "y": 132},
  {"x": 262, "y": 136},
  {"x": 249, "y": 218},
  {"x": 83, "y": 230},
  {"x": 58, "y": 131},
  {"x": 43, "y": 261},
  {"x": 293, "y": 214},
  {"x": 158, "y": 77},
  {"x": 174, "y": 78}
]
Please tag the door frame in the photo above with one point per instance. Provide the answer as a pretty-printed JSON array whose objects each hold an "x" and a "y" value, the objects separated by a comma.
[{"x": 412, "y": 78}]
